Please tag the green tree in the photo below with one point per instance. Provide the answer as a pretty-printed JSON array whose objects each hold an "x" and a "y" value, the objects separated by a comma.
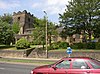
[
  {"x": 82, "y": 16},
  {"x": 6, "y": 18},
  {"x": 16, "y": 27},
  {"x": 6, "y": 33},
  {"x": 52, "y": 31},
  {"x": 39, "y": 31}
]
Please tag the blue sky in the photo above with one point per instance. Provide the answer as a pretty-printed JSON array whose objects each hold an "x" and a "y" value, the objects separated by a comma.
[{"x": 36, "y": 7}]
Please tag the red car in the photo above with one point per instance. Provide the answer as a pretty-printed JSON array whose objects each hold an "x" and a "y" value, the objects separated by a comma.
[{"x": 77, "y": 65}]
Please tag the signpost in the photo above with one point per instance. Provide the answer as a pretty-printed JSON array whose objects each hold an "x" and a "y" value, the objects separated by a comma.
[{"x": 69, "y": 51}]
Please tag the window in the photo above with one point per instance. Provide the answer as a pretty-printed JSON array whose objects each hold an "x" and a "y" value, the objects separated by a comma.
[
  {"x": 79, "y": 64},
  {"x": 18, "y": 18},
  {"x": 64, "y": 64},
  {"x": 95, "y": 64}
]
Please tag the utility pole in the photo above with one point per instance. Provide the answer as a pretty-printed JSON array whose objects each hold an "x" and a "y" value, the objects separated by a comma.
[{"x": 46, "y": 34}]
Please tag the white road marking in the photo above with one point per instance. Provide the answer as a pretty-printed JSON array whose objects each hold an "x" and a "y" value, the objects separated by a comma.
[{"x": 2, "y": 68}]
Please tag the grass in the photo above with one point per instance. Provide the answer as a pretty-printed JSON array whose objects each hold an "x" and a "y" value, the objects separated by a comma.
[
  {"x": 24, "y": 61},
  {"x": 79, "y": 50},
  {"x": 6, "y": 47}
]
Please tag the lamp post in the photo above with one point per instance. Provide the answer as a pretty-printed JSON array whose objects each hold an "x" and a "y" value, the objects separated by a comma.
[{"x": 46, "y": 34}]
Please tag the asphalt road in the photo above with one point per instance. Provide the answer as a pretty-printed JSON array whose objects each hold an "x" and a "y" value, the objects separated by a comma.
[{"x": 6, "y": 68}]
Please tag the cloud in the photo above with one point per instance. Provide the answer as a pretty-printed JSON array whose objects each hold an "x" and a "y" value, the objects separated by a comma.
[
  {"x": 9, "y": 5},
  {"x": 57, "y": 2},
  {"x": 51, "y": 6},
  {"x": 57, "y": 6},
  {"x": 35, "y": 5}
]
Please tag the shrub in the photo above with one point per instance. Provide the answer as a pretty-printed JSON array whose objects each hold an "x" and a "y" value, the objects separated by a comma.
[
  {"x": 90, "y": 45},
  {"x": 22, "y": 44},
  {"x": 57, "y": 45},
  {"x": 98, "y": 45},
  {"x": 78, "y": 46},
  {"x": 63, "y": 45}
]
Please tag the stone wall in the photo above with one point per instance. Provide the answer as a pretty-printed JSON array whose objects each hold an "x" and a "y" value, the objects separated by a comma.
[
  {"x": 38, "y": 53},
  {"x": 59, "y": 54},
  {"x": 15, "y": 53},
  {"x": 12, "y": 53}
]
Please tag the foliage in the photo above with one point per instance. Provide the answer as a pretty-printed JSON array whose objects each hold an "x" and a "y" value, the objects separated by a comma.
[
  {"x": 82, "y": 16},
  {"x": 40, "y": 31},
  {"x": 98, "y": 45},
  {"x": 63, "y": 45},
  {"x": 6, "y": 33},
  {"x": 78, "y": 46},
  {"x": 54, "y": 45},
  {"x": 91, "y": 45},
  {"x": 22, "y": 44},
  {"x": 7, "y": 18},
  {"x": 15, "y": 27},
  {"x": 59, "y": 45}
]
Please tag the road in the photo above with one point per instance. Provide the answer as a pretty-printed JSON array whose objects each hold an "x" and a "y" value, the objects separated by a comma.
[{"x": 6, "y": 68}]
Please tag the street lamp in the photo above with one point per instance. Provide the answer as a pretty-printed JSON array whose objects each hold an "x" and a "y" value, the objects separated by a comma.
[{"x": 46, "y": 33}]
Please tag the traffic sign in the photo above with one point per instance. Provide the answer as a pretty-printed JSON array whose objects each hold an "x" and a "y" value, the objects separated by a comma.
[{"x": 69, "y": 50}]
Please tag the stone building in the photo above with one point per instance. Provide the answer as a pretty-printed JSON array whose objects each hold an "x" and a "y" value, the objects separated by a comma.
[{"x": 25, "y": 20}]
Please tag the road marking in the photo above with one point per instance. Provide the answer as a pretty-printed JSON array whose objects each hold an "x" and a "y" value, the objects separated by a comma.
[{"x": 2, "y": 68}]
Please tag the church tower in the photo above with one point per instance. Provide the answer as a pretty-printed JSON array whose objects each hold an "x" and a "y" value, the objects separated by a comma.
[{"x": 24, "y": 19}]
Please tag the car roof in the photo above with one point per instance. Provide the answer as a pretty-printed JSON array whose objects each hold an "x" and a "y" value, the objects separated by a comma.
[{"x": 76, "y": 58}]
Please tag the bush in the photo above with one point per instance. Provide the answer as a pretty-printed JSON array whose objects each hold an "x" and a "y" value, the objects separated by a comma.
[
  {"x": 90, "y": 45},
  {"x": 98, "y": 45},
  {"x": 63, "y": 45},
  {"x": 54, "y": 45},
  {"x": 78, "y": 46},
  {"x": 57, "y": 45},
  {"x": 22, "y": 44}
]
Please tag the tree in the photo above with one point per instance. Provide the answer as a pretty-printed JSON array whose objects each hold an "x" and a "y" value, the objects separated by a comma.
[
  {"x": 52, "y": 30},
  {"x": 16, "y": 27},
  {"x": 39, "y": 31},
  {"x": 6, "y": 33},
  {"x": 82, "y": 16},
  {"x": 6, "y": 18}
]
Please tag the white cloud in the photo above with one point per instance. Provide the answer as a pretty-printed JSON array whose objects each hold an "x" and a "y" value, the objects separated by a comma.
[
  {"x": 57, "y": 2},
  {"x": 9, "y": 5},
  {"x": 52, "y": 10},
  {"x": 35, "y": 5},
  {"x": 52, "y": 6}
]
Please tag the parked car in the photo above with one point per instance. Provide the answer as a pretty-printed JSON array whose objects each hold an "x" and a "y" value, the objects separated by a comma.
[{"x": 77, "y": 65}]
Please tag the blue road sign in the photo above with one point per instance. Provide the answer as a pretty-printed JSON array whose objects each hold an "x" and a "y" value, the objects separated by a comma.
[{"x": 69, "y": 50}]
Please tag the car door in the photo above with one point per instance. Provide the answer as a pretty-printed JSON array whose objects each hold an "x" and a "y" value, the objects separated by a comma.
[
  {"x": 79, "y": 66},
  {"x": 60, "y": 68}
]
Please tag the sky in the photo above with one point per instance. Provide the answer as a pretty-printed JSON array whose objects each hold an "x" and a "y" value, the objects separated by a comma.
[{"x": 35, "y": 7}]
